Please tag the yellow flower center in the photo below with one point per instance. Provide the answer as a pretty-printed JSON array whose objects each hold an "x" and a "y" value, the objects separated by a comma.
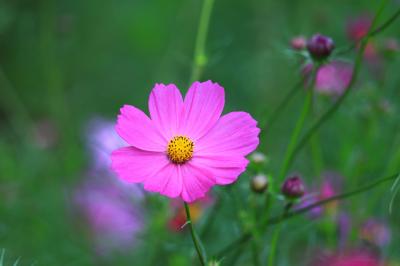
[{"x": 180, "y": 149}]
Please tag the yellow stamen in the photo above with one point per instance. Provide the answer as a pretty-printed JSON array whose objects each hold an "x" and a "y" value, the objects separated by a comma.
[{"x": 180, "y": 149}]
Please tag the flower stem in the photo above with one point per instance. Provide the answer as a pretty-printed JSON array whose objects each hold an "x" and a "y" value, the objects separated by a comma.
[
  {"x": 299, "y": 125},
  {"x": 200, "y": 57},
  {"x": 196, "y": 240}
]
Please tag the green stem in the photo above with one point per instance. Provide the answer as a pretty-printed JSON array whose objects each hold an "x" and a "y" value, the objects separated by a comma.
[
  {"x": 337, "y": 104},
  {"x": 196, "y": 240},
  {"x": 299, "y": 126},
  {"x": 200, "y": 57},
  {"x": 241, "y": 240},
  {"x": 274, "y": 242}
]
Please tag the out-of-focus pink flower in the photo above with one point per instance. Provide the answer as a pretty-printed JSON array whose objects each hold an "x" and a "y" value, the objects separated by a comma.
[
  {"x": 102, "y": 140},
  {"x": 332, "y": 78},
  {"x": 331, "y": 185},
  {"x": 186, "y": 146},
  {"x": 375, "y": 232},
  {"x": 358, "y": 27},
  {"x": 111, "y": 215},
  {"x": 391, "y": 45},
  {"x": 349, "y": 258}
]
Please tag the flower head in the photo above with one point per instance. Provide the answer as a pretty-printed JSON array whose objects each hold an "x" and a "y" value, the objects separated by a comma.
[{"x": 185, "y": 146}]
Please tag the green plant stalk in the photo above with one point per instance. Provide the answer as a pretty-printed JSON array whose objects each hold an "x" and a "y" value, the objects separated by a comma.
[
  {"x": 241, "y": 240},
  {"x": 196, "y": 240},
  {"x": 336, "y": 105},
  {"x": 200, "y": 57},
  {"x": 299, "y": 125},
  {"x": 273, "y": 246}
]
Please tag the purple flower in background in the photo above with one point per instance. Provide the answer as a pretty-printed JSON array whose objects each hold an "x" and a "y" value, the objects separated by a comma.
[
  {"x": 329, "y": 187},
  {"x": 114, "y": 220},
  {"x": 358, "y": 27},
  {"x": 332, "y": 78},
  {"x": 102, "y": 140},
  {"x": 376, "y": 232}
]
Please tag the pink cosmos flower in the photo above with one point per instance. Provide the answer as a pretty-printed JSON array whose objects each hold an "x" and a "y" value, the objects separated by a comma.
[{"x": 185, "y": 146}]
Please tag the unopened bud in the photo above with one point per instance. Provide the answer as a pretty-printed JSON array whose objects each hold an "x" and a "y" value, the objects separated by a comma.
[
  {"x": 259, "y": 183},
  {"x": 293, "y": 187},
  {"x": 320, "y": 46},
  {"x": 298, "y": 43},
  {"x": 258, "y": 157}
]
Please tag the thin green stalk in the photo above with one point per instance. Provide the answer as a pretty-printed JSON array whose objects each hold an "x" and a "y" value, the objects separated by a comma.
[
  {"x": 299, "y": 125},
  {"x": 273, "y": 246},
  {"x": 337, "y": 104},
  {"x": 196, "y": 240},
  {"x": 242, "y": 239},
  {"x": 200, "y": 57}
]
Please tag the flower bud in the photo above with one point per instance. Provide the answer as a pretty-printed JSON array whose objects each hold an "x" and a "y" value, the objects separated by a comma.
[
  {"x": 320, "y": 47},
  {"x": 293, "y": 187},
  {"x": 259, "y": 183},
  {"x": 258, "y": 157},
  {"x": 298, "y": 43}
]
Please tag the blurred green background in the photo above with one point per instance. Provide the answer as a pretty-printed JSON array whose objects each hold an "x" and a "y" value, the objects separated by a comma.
[{"x": 64, "y": 62}]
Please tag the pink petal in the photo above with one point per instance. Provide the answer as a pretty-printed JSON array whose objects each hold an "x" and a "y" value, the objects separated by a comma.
[
  {"x": 235, "y": 134},
  {"x": 203, "y": 106},
  {"x": 168, "y": 181},
  {"x": 196, "y": 182},
  {"x": 134, "y": 165},
  {"x": 225, "y": 169},
  {"x": 138, "y": 130},
  {"x": 166, "y": 106}
]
